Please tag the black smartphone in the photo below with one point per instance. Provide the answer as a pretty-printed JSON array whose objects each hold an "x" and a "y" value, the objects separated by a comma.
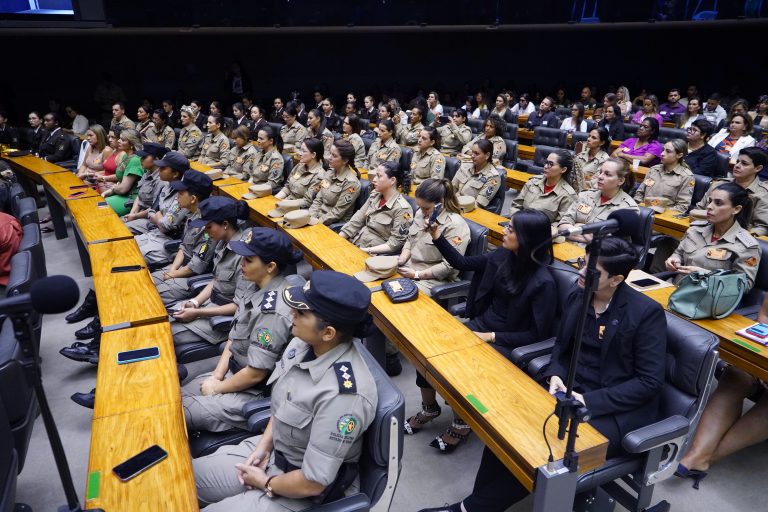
[
  {"x": 78, "y": 186},
  {"x": 101, "y": 204},
  {"x": 435, "y": 213},
  {"x": 444, "y": 119},
  {"x": 139, "y": 463},
  {"x": 644, "y": 283},
  {"x": 141, "y": 354},
  {"x": 126, "y": 268},
  {"x": 77, "y": 194}
]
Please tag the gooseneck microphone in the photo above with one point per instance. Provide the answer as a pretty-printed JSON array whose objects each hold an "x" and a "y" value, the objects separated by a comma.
[
  {"x": 50, "y": 295},
  {"x": 621, "y": 223}
]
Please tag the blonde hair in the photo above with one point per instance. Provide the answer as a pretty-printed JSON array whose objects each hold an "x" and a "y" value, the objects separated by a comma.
[{"x": 133, "y": 138}]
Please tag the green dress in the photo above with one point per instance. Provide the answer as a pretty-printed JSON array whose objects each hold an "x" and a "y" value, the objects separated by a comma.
[{"x": 129, "y": 165}]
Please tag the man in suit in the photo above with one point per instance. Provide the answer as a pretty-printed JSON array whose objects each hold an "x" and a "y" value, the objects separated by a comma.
[
  {"x": 619, "y": 376},
  {"x": 56, "y": 145}
]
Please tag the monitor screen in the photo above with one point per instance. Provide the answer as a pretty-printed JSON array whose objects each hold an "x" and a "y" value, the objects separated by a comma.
[{"x": 37, "y": 7}]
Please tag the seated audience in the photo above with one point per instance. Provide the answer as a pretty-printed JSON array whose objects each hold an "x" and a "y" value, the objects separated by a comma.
[
  {"x": 215, "y": 149},
  {"x": 427, "y": 161},
  {"x": 454, "y": 134},
  {"x": 268, "y": 163},
  {"x": 692, "y": 113},
  {"x": 613, "y": 122},
  {"x": 56, "y": 145},
  {"x": 670, "y": 183},
  {"x": 190, "y": 136},
  {"x": 649, "y": 111},
  {"x": 576, "y": 122},
  {"x": 493, "y": 131},
  {"x": 335, "y": 200},
  {"x": 544, "y": 116},
  {"x": 759, "y": 115},
  {"x": 587, "y": 163},
  {"x": 645, "y": 148},
  {"x": 478, "y": 178},
  {"x": 523, "y": 107},
  {"x": 733, "y": 139},
  {"x": 242, "y": 154},
  {"x": 292, "y": 133},
  {"x": 127, "y": 173},
  {"x": 304, "y": 181},
  {"x": 385, "y": 148},
  {"x": 672, "y": 107},
  {"x": 702, "y": 158},
  {"x": 551, "y": 193}
]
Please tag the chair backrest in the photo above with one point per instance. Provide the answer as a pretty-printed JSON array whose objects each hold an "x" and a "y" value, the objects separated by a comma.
[
  {"x": 74, "y": 145},
  {"x": 31, "y": 241},
  {"x": 723, "y": 164},
  {"x": 497, "y": 202},
  {"x": 510, "y": 157},
  {"x": 591, "y": 124},
  {"x": 388, "y": 422},
  {"x": 630, "y": 130},
  {"x": 754, "y": 296},
  {"x": 478, "y": 245},
  {"x": 642, "y": 239},
  {"x": 700, "y": 187},
  {"x": 563, "y": 112},
  {"x": 758, "y": 133},
  {"x": 287, "y": 166},
  {"x": 565, "y": 277},
  {"x": 22, "y": 276},
  {"x": 452, "y": 165},
  {"x": 27, "y": 211},
  {"x": 365, "y": 192},
  {"x": 276, "y": 126},
  {"x": 412, "y": 201},
  {"x": 549, "y": 137},
  {"x": 667, "y": 134},
  {"x": 476, "y": 125},
  {"x": 367, "y": 141},
  {"x": 405, "y": 158},
  {"x": 540, "y": 155},
  {"x": 17, "y": 193},
  {"x": 577, "y": 137},
  {"x": 447, "y": 110},
  {"x": 511, "y": 131},
  {"x": 9, "y": 465}
]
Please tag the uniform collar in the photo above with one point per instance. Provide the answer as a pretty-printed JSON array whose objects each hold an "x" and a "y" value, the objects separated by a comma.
[
  {"x": 678, "y": 169},
  {"x": 481, "y": 171},
  {"x": 729, "y": 236},
  {"x": 615, "y": 200},
  {"x": 347, "y": 172},
  {"x": 391, "y": 142},
  {"x": 321, "y": 364},
  {"x": 556, "y": 190}
]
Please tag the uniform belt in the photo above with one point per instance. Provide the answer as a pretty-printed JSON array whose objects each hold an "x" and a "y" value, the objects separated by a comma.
[
  {"x": 235, "y": 367},
  {"x": 336, "y": 490},
  {"x": 219, "y": 299},
  {"x": 282, "y": 462}
]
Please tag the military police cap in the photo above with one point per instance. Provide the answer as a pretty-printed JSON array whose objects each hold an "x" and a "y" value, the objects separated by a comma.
[
  {"x": 333, "y": 296},
  {"x": 152, "y": 149},
  {"x": 268, "y": 244},
  {"x": 173, "y": 159},
  {"x": 218, "y": 209},
  {"x": 196, "y": 183}
]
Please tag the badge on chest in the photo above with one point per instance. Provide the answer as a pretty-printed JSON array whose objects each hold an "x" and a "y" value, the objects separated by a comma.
[
  {"x": 585, "y": 208},
  {"x": 717, "y": 254}
]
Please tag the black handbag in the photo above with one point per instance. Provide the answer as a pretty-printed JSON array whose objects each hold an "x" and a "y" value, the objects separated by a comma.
[{"x": 399, "y": 289}]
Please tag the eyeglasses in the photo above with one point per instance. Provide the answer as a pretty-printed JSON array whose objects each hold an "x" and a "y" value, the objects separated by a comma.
[{"x": 548, "y": 164}]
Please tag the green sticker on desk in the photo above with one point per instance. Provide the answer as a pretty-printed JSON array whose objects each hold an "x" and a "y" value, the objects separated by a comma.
[
  {"x": 746, "y": 345},
  {"x": 477, "y": 404},
  {"x": 94, "y": 482}
]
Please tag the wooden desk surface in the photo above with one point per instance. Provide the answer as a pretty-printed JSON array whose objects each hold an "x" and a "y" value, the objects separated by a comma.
[
  {"x": 168, "y": 486},
  {"x": 61, "y": 183},
  {"x": 117, "y": 253},
  {"x": 259, "y": 207},
  {"x": 667, "y": 223},
  {"x": 197, "y": 166},
  {"x": 123, "y": 388},
  {"x": 96, "y": 224},
  {"x": 128, "y": 298},
  {"x": 34, "y": 165},
  {"x": 527, "y": 135},
  {"x": 517, "y": 179}
]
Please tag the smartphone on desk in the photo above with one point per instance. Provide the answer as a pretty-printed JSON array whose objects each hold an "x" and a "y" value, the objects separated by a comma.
[
  {"x": 140, "y": 463},
  {"x": 126, "y": 268},
  {"x": 76, "y": 194},
  {"x": 644, "y": 283},
  {"x": 759, "y": 330},
  {"x": 134, "y": 356},
  {"x": 101, "y": 204}
]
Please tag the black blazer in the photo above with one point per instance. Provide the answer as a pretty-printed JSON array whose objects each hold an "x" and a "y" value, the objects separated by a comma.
[
  {"x": 33, "y": 140},
  {"x": 615, "y": 130},
  {"x": 704, "y": 161},
  {"x": 632, "y": 358},
  {"x": 56, "y": 147},
  {"x": 530, "y": 313}
]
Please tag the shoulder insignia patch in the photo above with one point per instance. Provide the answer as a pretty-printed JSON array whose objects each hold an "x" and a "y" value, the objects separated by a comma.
[
  {"x": 751, "y": 261},
  {"x": 746, "y": 239},
  {"x": 264, "y": 337},
  {"x": 268, "y": 302},
  {"x": 203, "y": 249},
  {"x": 351, "y": 190},
  {"x": 456, "y": 240},
  {"x": 346, "y": 377}
]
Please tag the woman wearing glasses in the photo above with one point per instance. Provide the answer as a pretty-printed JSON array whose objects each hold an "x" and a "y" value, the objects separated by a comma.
[
  {"x": 454, "y": 134},
  {"x": 702, "y": 158}
]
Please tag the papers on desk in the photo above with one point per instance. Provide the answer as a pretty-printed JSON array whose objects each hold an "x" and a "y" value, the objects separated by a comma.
[
  {"x": 641, "y": 281},
  {"x": 747, "y": 334}
]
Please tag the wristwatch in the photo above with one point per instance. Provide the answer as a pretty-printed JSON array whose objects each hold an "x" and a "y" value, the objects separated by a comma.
[{"x": 268, "y": 487}]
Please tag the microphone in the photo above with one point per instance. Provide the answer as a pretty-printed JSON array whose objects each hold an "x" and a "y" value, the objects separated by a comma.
[
  {"x": 622, "y": 223},
  {"x": 54, "y": 294}
]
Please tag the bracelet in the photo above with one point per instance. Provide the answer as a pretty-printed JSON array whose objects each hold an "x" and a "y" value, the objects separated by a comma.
[
  {"x": 268, "y": 487},
  {"x": 194, "y": 301},
  {"x": 416, "y": 276}
]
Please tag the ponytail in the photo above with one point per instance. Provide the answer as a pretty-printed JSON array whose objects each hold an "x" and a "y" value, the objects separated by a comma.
[
  {"x": 347, "y": 153},
  {"x": 439, "y": 190}
]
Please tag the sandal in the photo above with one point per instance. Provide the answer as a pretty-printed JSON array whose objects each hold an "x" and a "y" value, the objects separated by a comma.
[
  {"x": 46, "y": 229},
  {"x": 449, "y": 440},
  {"x": 416, "y": 422}
]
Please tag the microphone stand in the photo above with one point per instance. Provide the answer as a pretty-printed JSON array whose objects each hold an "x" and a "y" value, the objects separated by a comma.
[{"x": 32, "y": 370}]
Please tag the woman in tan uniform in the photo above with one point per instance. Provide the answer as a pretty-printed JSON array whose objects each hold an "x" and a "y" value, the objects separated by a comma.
[
  {"x": 493, "y": 130},
  {"x": 550, "y": 193},
  {"x": 143, "y": 122},
  {"x": 613, "y": 183},
  {"x": 268, "y": 163},
  {"x": 339, "y": 188},
  {"x": 427, "y": 161},
  {"x": 190, "y": 136},
  {"x": 352, "y": 129},
  {"x": 160, "y": 132},
  {"x": 215, "y": 149},
  {"x": 587, "y": 163},
  {"x": 478, "y": 179},
  {"x": 292, "y": 133},
  {"x": 456, "y": 133},
  {"x": 381, "y": 225},
  {"x": 671, "y": 180},
  {"x": 316, "y": 128},
  {"x": 304, "y": 181},
  {"x": 384, "y": 148},
  {"x": 242, "y": 155}
]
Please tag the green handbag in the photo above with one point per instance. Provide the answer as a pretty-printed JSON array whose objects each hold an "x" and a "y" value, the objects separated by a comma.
[{"x": 712, "y": 294}]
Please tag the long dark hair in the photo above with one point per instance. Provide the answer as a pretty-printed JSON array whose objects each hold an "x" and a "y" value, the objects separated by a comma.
[
  {"x": 315, "y": 145},
  {"x": 347, "y": 152},
  {"x": 316, "y": 112},
  {"x": 434, "y": 136},
  {"x": 739, "y": 197},
  {"x": 533, "y": 229}
]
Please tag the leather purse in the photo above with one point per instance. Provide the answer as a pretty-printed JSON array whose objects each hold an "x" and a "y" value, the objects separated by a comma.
[
  {"x": 712, "y": 294},
  {"x": 399, "y": 289}
]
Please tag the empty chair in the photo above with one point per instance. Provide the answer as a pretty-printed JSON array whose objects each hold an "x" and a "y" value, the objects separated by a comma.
[
  {"x": 511, "y": 131},
  {"x": 476, "y": 125},
  {"x": 642, "y": 238},
  {"x": 667, "y": 134},
  {"x": 287, "y": 168},
  {"x": 543, "y": 136},
  {"x": 497, "y": 203},
  {"x": 510, "y": 157},
  {"x": 700, "y": 187},
  {"x": 16, "y": 193},
  {"x": 31, "y": 241},
  {"x": 27, "y": 211}
]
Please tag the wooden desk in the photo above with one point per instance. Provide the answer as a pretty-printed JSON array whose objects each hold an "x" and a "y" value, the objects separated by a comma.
[
  {"x": 667, "y": 223},
  {"x": 124, "y": 388},
  {"x": 526, "y": 134},
  {"x": 117, "y": 253},
  {"x": 507, "y": 392},
  {"x": 59, "y": 187},
  {"x": 94, "y": 225},
  {"x": 525, "y": 152},
  {"x": 221, "y": 182},
  {"x": 168, "y": 486},
  {"x": 258, "y": 207},
  {"x": 33, "y": 167},
  {"x": 517, "y": 179}
]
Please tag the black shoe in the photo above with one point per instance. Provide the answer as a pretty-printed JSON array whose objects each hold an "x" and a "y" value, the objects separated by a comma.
[
  {"x": 393, "y": 366},
  {"x": 82, "y": 352},
  {"x": 86, "y": 310},
  {"x": 85, "y": 399},
  {"x": 89, "y": 331},
  {"x": 182, "y": 371},
  {"x": 456, "y": 507}
]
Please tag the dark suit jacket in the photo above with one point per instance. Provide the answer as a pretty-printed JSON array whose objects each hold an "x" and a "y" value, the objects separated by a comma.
[
  {"x": 632, "y": 358},
  {"x": 10, "y": 136},
  {"x": 530, "y": 313},
  {"x": 551, "y": 119},
  {"x": 56, "y": 147},
  {"x": 615, "y": 130},
  {"x": 704, "y": 161},
  {"x": 255, "y": 127},
  {"x": 33, "y": 140}
]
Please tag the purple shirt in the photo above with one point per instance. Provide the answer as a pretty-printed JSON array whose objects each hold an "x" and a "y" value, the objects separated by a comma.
[
  {"x": 653, "y": 147},
  {"x": 639, "y": 116},
  {"x": 667, "y": 111}
]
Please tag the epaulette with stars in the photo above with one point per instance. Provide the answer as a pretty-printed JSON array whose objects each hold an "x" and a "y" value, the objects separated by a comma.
[
  {"x": 345, "y": 377},
  {"x": 268, "y": 302}
]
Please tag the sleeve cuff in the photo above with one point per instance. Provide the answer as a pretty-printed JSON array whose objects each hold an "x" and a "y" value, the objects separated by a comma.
[{"x": 320, "y": 467}]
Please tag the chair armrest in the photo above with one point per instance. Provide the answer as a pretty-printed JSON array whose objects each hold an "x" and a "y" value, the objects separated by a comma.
[
  {"x": 352, "y": 503},
  {"x": 199, "y": 281},
  {"x": 221, "y": 323},
  {"x": 537, "y": 365},
  {"x": 336, "y": 226},
  {"x": 656, "y": 239},
  {"x": 656, "y": 434},
  {"x": 458, "y": 309},
  {"x": 450, "y": 290},
  {"x": 254, "y": 406},
  {"x": 523, "y": 355},
  {"x": 172, "y": 246},
  {"x": 258, "y": 421}
]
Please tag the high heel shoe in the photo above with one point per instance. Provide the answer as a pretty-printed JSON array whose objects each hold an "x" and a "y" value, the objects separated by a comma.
[{"x": 694, "y": 474}]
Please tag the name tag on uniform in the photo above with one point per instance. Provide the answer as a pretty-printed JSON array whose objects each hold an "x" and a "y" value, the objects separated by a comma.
[
  {"x": 239, "y": 160},
  {"x": 717, "y": 254},
  {"x": 263, "y": 167},
  {"x": 584, "y": 208},
  {"x": 649, "y": 182},
  {"x": 205, "y": 146},
  {"x": 325, "y": 184},
  {"x": 296, "y": 175},
  {"x": 381, "y": 155}
]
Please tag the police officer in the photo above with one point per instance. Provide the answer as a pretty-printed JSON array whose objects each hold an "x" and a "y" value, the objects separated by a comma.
[
  {"x": 672, "y": 179},
  {"x": 409, "y": 135},
  {"x": 214, "y": 401},
  {"x": 385, "y": 148},
  {"x": 190, "y": 136},
  {"x": 317, "y": 127},
  {"x": 219, "y": 216},
  {"x": 381, "y": 225},
  {"x": 242, "y": 154},
  {"x": 420, "y": 260},
  {"x": 55, "y": 146},
  {"x": 304, "y": 181},
  {"x": 335, "y": 199},
  {"x": 215, "y": 149},
  {"x": 150, "y": 185},
  {"x": 292, "y": 132},
  {"x": 493, "y": 130},
  {"x": 427, "y": 161},
  {"x": 478, "y": 179},
  {"x": 119, "y": 118},
  {"x": 160, "y": 132},
  {"x": 323, "y": 399},
  {"x": 456, "y": 133},
  {"x": 550, "y": 193},
  {"x": 268, "y": 163},
  {"x": 613, "y": 182},
  {"x": 195, "y": 252},
  {"x": 165, "y": 220}
]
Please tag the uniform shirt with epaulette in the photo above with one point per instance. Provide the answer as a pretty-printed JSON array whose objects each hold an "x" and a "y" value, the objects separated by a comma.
[
  {"x": 335, "y": 200},
  {"x": 758, "y": 223},
  {"x": 359, "y": 146},
  {"x": 303, "y": 184},
  {"x": 241, "y": 161},
  {"x": 536, "y": 196},
  {"x": 387, "y": 152},
  {"x": 482, "y": 185},
  {"x": 170, "y": 224},
  {"x": 197, "y": 248},
  {"x": 166, "y": 136},
  {"x": 150, "y": 185},
  {"x": 143, "y": 128},
  {"x": 499, "y": 147},
  {"x": 588, "y": 207},
  {"x": 379, "y": 223},
  {"x": 124, "y": 123},
  {"x": 55, "y": 146},
  {"x": 675, "y": 185},
  {"x": 292, "y": 136},
  {"x": 190, "y": 140},
  {"x": 215, "y": 150},
  {"x": 587, "y": 168},
  {"x": 268, "y": 168},
  {"x": 735, "y": 250},
  {"x": 426, "y": 164},
  {"x": 454, "y": 137},
  {"x": 409, "y": 135}
]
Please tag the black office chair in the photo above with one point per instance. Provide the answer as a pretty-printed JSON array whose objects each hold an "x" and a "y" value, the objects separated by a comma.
[
  {"x": 476, "y": 125},
  {"x": 448, "y": 294},
  {"x": 177, "y": 133},
  {"x": 668, "y": 134},
  {"x": 723, "y": 164},
  {"x": 452, "y": 166},
  {"x": 276, "y": 126},
  {"x": 367, "y": 141},
  {"x": 9, "y": 465},
  {"x": 563, "y": 112},
  {"x": 591, "y": 125},
  {"x": 630, "y": 130},
  {"x": 544, "y": 136},
  {"x": 27, "y": 211},
  {"x": 497, "y": 203},
  {"x": 17, "y": 193},
  {"x": 700, "y": 187},
  {"x": 536, "y": 166},
  {"x": 287, "y": 168},
  {"x": 758, "y": 133},
  {"x": 511, "y": 131},
  {"x": 365, "y": 192},
  {"x": 20, "y": 280},
  {"x": 31, "y": 241},
  {"x": 510, "y": 157},
  {"x": 654, "y": 451},
  {"x": 577, "y": 137},
  {"x": 406, "y": 154},
  {"x": 75, "y": 146},
  {"x": 642, "y": 238},
  {"x": 752, "y": 300}
]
